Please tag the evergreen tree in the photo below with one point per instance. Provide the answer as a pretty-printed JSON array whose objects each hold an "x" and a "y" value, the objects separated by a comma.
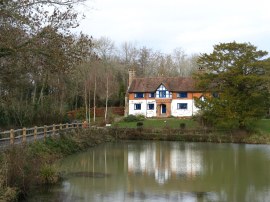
[{"x": 235, "y": 77}]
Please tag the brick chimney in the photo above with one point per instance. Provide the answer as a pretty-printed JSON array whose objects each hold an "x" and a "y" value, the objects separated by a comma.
[{"x": 131, "y": 76}]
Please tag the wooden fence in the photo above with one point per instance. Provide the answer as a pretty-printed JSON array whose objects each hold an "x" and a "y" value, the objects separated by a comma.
[{"x": 25, "y": 135}]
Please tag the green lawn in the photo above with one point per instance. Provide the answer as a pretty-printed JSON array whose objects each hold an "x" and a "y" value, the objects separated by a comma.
[
  {"x": 263, "y": 125},
  {"x": 160, "y": 123}
]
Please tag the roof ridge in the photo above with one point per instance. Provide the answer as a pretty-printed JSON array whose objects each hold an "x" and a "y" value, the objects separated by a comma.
[{"x": 149, "y": 84}]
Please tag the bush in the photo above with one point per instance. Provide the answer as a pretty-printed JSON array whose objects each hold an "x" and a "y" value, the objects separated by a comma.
[
  {"x": 130, "y": 118},
  {"x": 182, "y": 126},
  {"x": 48, "y": 174},
  {"x": 133, "y": 118},
  {"x": 140, "y": 126},
  {"x": 140, "y": 117},
  {"x": 10, "y": 194}
]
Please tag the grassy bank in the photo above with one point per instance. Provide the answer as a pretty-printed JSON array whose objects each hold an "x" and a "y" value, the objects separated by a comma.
[
  {"x": 170, "y": 129},
  {"x": 261, "y": 126},
  {"x": 159, "y": 123},
  {"x": 25, "y": 167},
  {"x": 190, "y": 135}
]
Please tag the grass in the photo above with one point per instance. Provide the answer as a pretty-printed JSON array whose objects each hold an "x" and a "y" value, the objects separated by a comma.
[
  {"x": 263, "y": 125},
  {"x": 160, "y": 123}
]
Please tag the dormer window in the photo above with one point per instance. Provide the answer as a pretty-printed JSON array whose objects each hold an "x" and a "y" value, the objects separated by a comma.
[
  {"x": 139, "y": 95},
  {"x": 162, "y": 92}
]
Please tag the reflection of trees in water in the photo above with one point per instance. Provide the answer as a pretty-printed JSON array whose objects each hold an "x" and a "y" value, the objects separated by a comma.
[
  {"x": 233, "y": 169},
  {"x": 168, "y": 171},
  {"x": 228, "y": 170}
]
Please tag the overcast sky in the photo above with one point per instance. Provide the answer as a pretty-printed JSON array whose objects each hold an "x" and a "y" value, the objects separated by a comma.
[{"x": 193, "y": 25}]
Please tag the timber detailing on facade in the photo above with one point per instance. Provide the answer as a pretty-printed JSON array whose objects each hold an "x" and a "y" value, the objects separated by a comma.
[{"x": 161, "y": 96}]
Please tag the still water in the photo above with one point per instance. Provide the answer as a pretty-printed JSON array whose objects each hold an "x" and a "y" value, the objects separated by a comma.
[{"x": 164, "y": 171}]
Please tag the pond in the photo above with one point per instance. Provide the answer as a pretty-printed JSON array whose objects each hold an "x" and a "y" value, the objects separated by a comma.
[{"x": 164, "y": 171}]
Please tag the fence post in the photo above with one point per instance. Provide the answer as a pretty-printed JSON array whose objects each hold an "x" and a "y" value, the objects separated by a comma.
[
  {"x": 45, "y": 132},
  {"x": 35, "y": 133},
  {"x": 24, "y": 135},
  {"x": 12, "y": 136},
  {"x": 61, "y": 127},
  {"x": 66, "y": 125},
  {"x": 77, "y": 125},
  {"x": 53, "y": 133}
]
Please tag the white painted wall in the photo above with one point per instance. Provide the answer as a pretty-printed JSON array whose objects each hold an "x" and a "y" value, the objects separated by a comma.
[
  {"x": 190, "y": 111},
  {"x": 143, "y": 111},
  {"x": 152, "y": 113}
]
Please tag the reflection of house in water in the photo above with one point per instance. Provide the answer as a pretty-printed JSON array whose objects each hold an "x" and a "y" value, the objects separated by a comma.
[{"x": 173, "y": 161}]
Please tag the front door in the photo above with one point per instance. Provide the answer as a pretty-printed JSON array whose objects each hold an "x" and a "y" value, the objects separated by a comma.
[{"x": 163, "y": 109}]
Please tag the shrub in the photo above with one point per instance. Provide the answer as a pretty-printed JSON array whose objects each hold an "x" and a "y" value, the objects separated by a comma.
[
  {"x": 140, "y": 126},
  {"x": 182, "y": 126},
  {"x": 48, "y": 174},
  {"x": 130, "y": 118},
  {"x": 133, "y": 118},
  {"x": 10, "y": 194},
  {"x": 140, "y": 117}
]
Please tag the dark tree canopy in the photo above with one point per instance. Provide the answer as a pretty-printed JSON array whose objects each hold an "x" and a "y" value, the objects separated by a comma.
[{"x": 235, "y": 77}]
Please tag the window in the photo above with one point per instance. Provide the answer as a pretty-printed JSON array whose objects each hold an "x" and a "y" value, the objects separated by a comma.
[
  {"x": 139, "y": 95},
  {"x": 151, "y": 94},
  {"x": 151, "y": 107},
  {"x": 182, "y": 95},
  {"x": 181, "y": 105},
  {"x": 137, "y": 106},
  {"x": 162, "y": 93}
]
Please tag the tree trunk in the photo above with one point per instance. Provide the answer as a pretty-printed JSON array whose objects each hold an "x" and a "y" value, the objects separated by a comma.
[
  {"x": 107, "y": 97},
  {"x": 95, "y": 88},
  {"x": 89, "y": 108},
  {"x": 40, "y": 99},
  {"x": 76, "y": 97},
  {"x": 34, "y": 93},
  {"x": 62, "y": 95},
  {"x": 85, "y": 102}
]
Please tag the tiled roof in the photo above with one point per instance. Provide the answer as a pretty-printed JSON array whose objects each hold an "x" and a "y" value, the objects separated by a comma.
[{"x": 173, "y": 84}]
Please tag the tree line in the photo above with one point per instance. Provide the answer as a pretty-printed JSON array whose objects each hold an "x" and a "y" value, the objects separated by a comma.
[{"x": 47, "y": 70}]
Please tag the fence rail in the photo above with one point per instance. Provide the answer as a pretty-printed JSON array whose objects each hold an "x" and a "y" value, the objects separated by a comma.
[{"x": 25, "y": 135}]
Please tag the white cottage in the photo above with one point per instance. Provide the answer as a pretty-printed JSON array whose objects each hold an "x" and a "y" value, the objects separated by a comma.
[{"x": 161, "y": 96}]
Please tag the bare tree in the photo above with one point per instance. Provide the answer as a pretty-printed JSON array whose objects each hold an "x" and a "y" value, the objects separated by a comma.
[
  {"x": 104, "y": 48},
  {"x": 129, "y": 53}
]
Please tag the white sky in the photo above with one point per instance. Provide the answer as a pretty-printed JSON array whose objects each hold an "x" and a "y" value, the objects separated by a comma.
[{"x": 193, "y": 25}]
